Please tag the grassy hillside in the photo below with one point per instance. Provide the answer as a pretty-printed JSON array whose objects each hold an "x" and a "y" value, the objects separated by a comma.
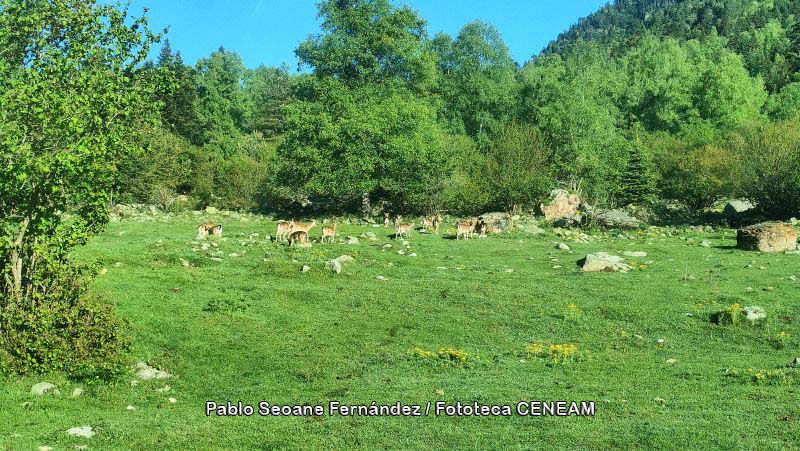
[{"x": 252, "y": 327}]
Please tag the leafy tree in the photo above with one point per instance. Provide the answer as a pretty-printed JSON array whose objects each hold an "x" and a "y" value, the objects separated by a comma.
[
  {"x": 369, "y": 41},
  {"x": 517, "y": 171},
  {"x": 222, "y": 108},
  {"x": 638, "y": 184},
  {"x": 179, "y": 95},
  {"x": 478, "y": 81},
  {"x": 68, "y": 104},
  {"x": 268, "y": 90}
]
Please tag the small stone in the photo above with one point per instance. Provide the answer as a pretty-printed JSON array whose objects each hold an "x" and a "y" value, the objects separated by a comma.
[
  {"x": 131, "y": 408},
  {"x": 351, "y": 240},
  {"x": 233, "y": 254},
  {"x": 305, "y": 268},
  {"x": 509, "y": 269},
  {"x": 635, "y": 254},
  {"x": 185, "y": 263},
  {"x": 164, "y": 389},
  {"x": 401, "y": 252},
  {"x": 671, "y": 361},
  {"x": 440, "y": 392},
  {"x": 80, "y": 447},
  {"x": 42, "y": 388},
  {"x": 345, "y": 259},
  {"x": 796, "y": 362},
  {"x": 413, "y": 254},
  {"x": 173, "y": 400},
  {"x": 754, "y": 313},
  {"x": 118, "y": 264},
  {"x": 441, "y": 268},
  {"x": 334, "y": 266},
  {"x": 386, "y": 247},
  {"x": 44, "y": 448},
  {"x": 380, "y": 278},
  {"x": 103, "y": 271},
  {"x": 660, "y": 401},
  {"x": 769, "y": 288},
  {"x": 793, "y": 278},
  {"x": 406, "y": 243},
  {"x": 146, "y": 372},
  {"x": 562, "y": 246},
  {"x": 557, "y": 266},
  {"x": 77, "y": 392},
  {"x": 660, "y": 342},
  {"x": 82, "y": 431},
  {"x": 705, "y": 243},
  {"x": 370, "y": 235}
]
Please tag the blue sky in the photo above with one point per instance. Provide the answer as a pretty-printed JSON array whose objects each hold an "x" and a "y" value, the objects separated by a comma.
[{"x": 268, "y": 31}]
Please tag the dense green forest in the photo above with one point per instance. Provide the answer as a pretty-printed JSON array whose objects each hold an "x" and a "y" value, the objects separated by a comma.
[{"x": 640, "y": 103}]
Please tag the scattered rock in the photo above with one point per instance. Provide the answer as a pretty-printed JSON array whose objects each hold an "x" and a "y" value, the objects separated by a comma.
[
  {"x": 42, "y": 387},
  {"x": 173, "y": 400},
  {"x": 164, "y": 389},
  {"x": 386, "y": 247},
  {"x": 660, "y": 401},
  {"x": 603, "y": 262},
  {"x": 767, "y": 237},
  {"x": 44, "y": 448},
  {"x": 146, "y": 372},
  {"x": 616, "y": 218},
  {"x": 562, "y": 246},
  {"x": 381, "y": 278},
  {"x": 754, "y": 313},
  {"x": 185, "y": 263},
  {"x": 131, "y": 408},
  {"x": 82, "y": 431},
  {"x": 635, "y": 254},
  {"x": 351, "y": 240},
  {"x": 77, "y": 392},
  {"x": 334, "y": 266},
  {"x": 118, "y": 265},
  {"x": 796, "y": 362},
  {"x": 305, "y": 268},
  {"x": 370, "y": 235},
  {"x": 413, "y": 254},
  {"x": 211, "y": 210},
  {"x": 345, "y": 259},
  {"x": 671, "y": 361},
  {"x": 705, "y": 243}
]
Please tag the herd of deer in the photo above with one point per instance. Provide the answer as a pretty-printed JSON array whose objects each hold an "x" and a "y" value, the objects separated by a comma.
[{"x": 297, "y": 232}]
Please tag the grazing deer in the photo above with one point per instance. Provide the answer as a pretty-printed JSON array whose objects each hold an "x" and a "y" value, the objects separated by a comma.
[
  {"x": 427, "y": 223},
  {"x": 284, "y": 227},
  {"x": 402, "y": 229},
  {"x": 329, "y": 233},
  {"x": 203, "y": 230},
  {"x": 302, "y": 226},
  {"x": 298, "y": 236},
  {"x": 386, "y": 219},
  {"x": 465, "y": 229},
  {"x": 437, "y": 222}
]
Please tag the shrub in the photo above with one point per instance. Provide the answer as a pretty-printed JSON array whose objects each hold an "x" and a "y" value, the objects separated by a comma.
[
  {"x": 64, "y": 328},
  {"x": 772, "y": 161}
]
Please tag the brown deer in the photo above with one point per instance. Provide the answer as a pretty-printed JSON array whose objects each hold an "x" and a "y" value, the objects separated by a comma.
[
  {"x": 284, "y": 227},
  {"x": 303, "y": 226},
  {"x": 427, "y": 223},
  {"x": 437, "y": 222},
  {"x": 402, "y": 229},
  {"x": 386, "y": 219},
  {"x": 209, "y": 228},
  {"x": 329, "y": 233},
  {"x": 465, "y": 229},
  {"x": 298, "y": 236}
]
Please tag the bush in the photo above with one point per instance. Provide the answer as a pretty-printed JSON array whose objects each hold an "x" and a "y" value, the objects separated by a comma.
[
  {"x": 65, "y": 329},
  {"x": 772, "y": 162}
]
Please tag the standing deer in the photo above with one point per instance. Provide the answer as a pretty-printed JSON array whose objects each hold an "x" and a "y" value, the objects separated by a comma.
[
  {"x": 283, "y": 230},
  {"x": 465, "y": 229},
  {"x": 298, "y": 236},
  {"x": 329, "y": 233},
  {"x": 402, "y": 229},
  {"x": 386, "y": 219}
]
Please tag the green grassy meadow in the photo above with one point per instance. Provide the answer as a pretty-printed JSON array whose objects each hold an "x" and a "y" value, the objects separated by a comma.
[{"x": 253, "y": 327}]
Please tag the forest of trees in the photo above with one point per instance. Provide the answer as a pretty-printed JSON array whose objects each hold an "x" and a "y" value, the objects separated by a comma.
[
  {"x": 655, "y": 104},
  {"x": 645, "y": 101}
]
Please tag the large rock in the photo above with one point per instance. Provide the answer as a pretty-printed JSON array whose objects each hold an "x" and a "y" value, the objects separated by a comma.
[
  {"x": 616, "y": 219},
  {"x": 737, "y": 209},
  {"x": 562, "y": 205},
  {"x": 146, "y": 372},
  {"x": 81, "y": 431},
  {"x": 496, "y": 222},
  {"x": 603, "y": 262},
  {"x": 767, "y": 237},
  {"x": 42, "y": 388}
]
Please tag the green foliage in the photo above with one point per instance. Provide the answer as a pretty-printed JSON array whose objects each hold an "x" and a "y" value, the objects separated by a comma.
[
  {"x": 69, "y": 105},
  {"x": 517, "y": 171},
  {"x": 771, "y": 157},
  {"x": 478, "y": 80},
  {"x": 639, "y": 179}
]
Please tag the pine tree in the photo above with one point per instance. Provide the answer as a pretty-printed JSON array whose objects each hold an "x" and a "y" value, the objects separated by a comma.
[{"x": 638, "y": 180}]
